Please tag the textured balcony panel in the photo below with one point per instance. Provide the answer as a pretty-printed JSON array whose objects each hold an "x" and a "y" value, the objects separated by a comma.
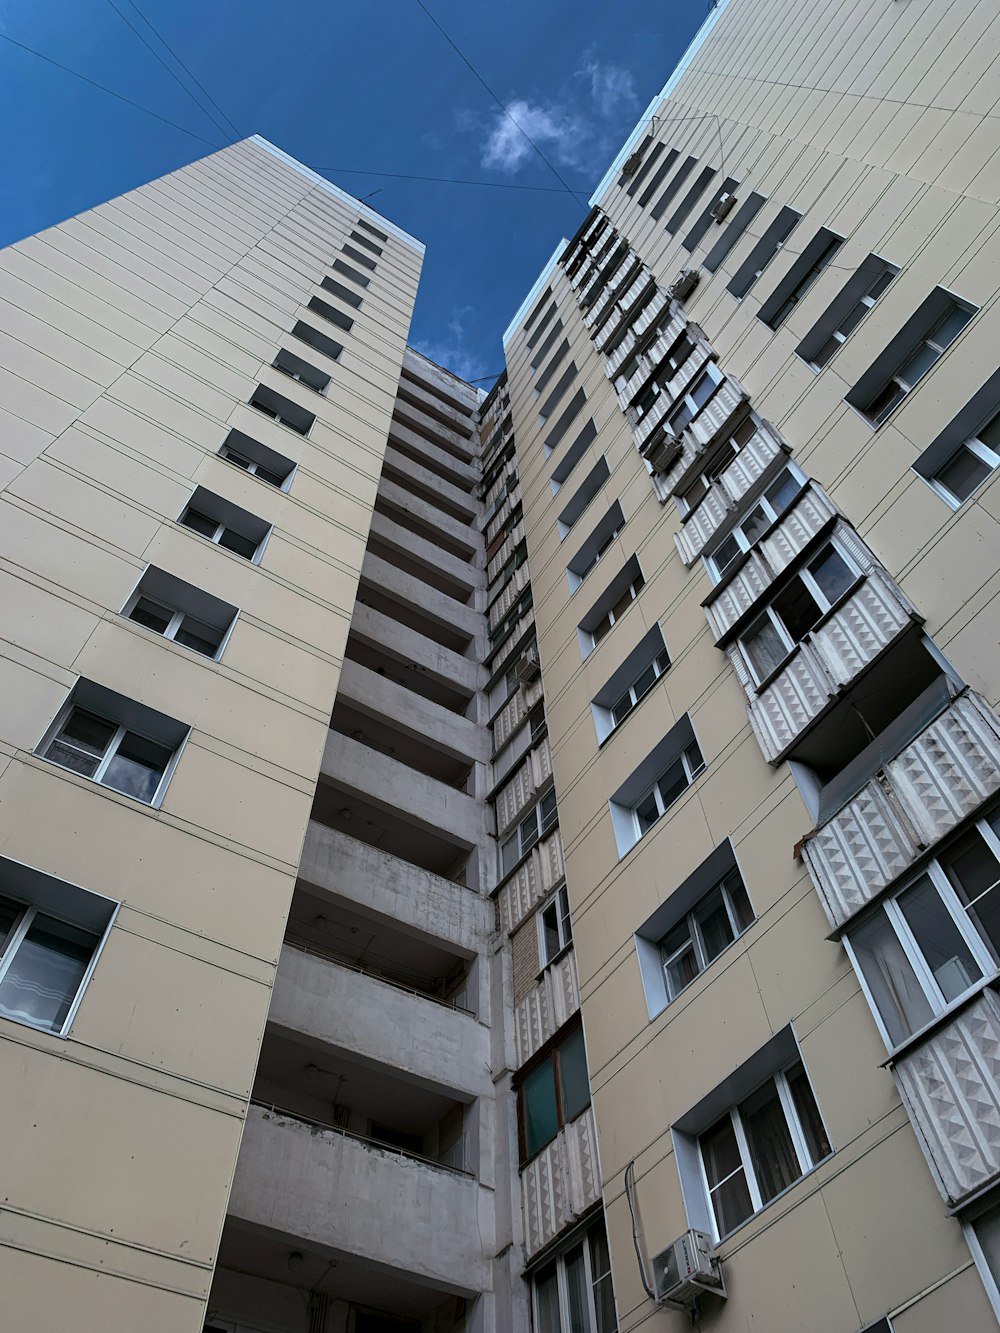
[
  {"x": 793, "y": 700},
  {"x": 703, "y": 524},
  {"x": 720, "y": 413},
  {"x": 736, "y": 597},
  {"x": 532, "y": 881},
  {"x": 510, "y": 717},
  {"x": 950, "y": 1086},
  {"x": 561, "y": 1183},
  {"x": 860, "y": 629},
  {"x": 811, "y": 512},
  {"x": 546, "y": 1007},
  {"x": 515, "y": 585}
]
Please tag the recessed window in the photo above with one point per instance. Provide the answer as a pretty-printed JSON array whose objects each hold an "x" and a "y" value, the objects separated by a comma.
[
  {"x": 343, "y": 293},
  {"x": 630, "y": 683},
  {"x": 689, "y": 200},
  {"x": 565, "y": 380},
  {"x": 694, "y": 398},
  {"x": 659, "y": 781},
  {"x": 251, "y": 456},
  {"x": 742, "y": 218},
  {"x": 800, "y": 277},
  {"x": 728, "y": 187},
  {"x": 574, "y": 453},
  {"x": 550, "y": 341},
  {"x": 846, "y": 311},
  {"x": 363, "y": 240},
  {"x": 554, "y": 1092},
  {"x": 610, "y": 606},
  {"x": 181, "y": 612},
  {"x": 763, "y": 252},
  {"x": 339, "y": 266},
  {"x": 114, "y": 741},
  {"x": 565, "y": 420},
  {"x": 572, "y": 1293},
  {"x": 295, "y": 368},
  {"x": 765, "y": 511},
  {"x": 225, "y": 524},
  {"x": 528, "y": 831},
  {"x": 920, "y": 343},
  {"x": 330, "y": 312},
  {"x": 696, "y": 941},
  {"x": 555, "y": 930},
  {"x": 760, "y": 1147},
  {"x": 595, "y": 546},
  {"x": 668, "y": 787},
  {"x": 930, "y": 943},
  {"x": 681, "y": 175},
  {"x": 800, "y": 605},
  {"x": 367, "y": 226},
  {"x": 282, "y": 410},
  {"x": 50, "y": 936},
  {"x": 965, "y": 469},
  {"x": 318, "y": 341},
  {"x": 585, "y": 492},
  {"x": 736, "y": 441}
]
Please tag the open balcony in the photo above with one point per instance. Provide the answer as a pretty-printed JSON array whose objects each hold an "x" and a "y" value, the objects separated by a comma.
[{"x": 885, "y": 813}]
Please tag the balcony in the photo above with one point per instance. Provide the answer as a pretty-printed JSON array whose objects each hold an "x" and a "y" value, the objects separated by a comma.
[
  {"x": 720, "y": 414},
  {"x": 326, "y": 1187},
  {"x": 546, "y": 1007},
  {"x": 622, "y": 277},
  {"x": 935, "y": 781},
  {"x": 825, "y": 663},
  {"x": 650, "y": 361},
  {"x": 804, "y": 520},
  {"x": 533, "y": 880},
  {"x": 671, "y": 391},
  {"x": 949, "y": 1082},
  {"x": 727, "y": 491},
  {"x": 561, "y": 1183}
]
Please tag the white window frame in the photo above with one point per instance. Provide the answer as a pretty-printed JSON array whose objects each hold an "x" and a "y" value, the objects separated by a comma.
[
  {"x": 609, "y": 618},
  {"x": 695, "y": 939},
  {"x": 972, "y": 445},
  {"x": 111, "y": 749},
  {"x": 905, "y": 386},
  {"x": 562, "y": 1285},
  {"x": 8, "y": 953},
  {"x": 818, "y": 596},
  {"x": 558, "y": 907},
  {"x": 526, "y": 839},
  {"x": 295, "y": 375},
  {"x": 220, "y": 528},
  {"x": 660, "y": 665},
  {"x": 252, "y": 468},
  {"x": 176, "y": 620},
  {"x": 688, "y": 402},
  {"x": 866, "y": 299},
  {"x": 693, "y": 769},
  {"x": 925, "y": 977},
  {"x": 798, "y": 1138},
  {"x": 732, "y": 447},
  {"x": 279, "y": 420},
  {"x": 989, "y": 1279},
  {"x": 716, "y": 572}
]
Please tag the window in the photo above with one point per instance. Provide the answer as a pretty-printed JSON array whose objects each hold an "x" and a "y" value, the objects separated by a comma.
[
  {"x": 339, "y": 266},
  {"x": 696, "y": 941},
  {"x": 846, "y": 311},
  {"x": 706, "y": 218},
  {"x": 671, "y": 784},
  {"x": 621, "y": 605},
  {"x": 639, "y": 687},
  {"x": 282, "y": 410},
  {"x": 555, "y": 1091},
  {"x": 555, "y": 930},
  {"x": 532, "y": 338},
  {"x": 737, "y": 440},
  {"x": 668, "y": 369},
  {"x": 595, "y": 546},
  {"x": 798, "y": 608},
  {"x": 760, "y": 1147},
  {"x": 800, "y": 277},
  {"x": 257, "y": 459},
  {"x": 742, "y": 218},
  {"x": 688, "y": 202},
  {"x": 572, "y": 1293},
  {"x": 319, "y": 341},
  {"x": 663, "y": 203},
  {"x": 50, "y": 936},
  {"x": 520, "y": 608},
  {"x": 585, "y": 492},
  {"x": 645, "y": 167},
  {"x": 694, "y": 398},
  {"x": 574, "y": 453},
  {"x": 528, "y": 831},
  {"x": 181, "y": 612},
  {"x": 916, "y": 364},
  {"x": 930, "y": 943},
  {"x": 565, "y": 380},
  {"x": 363, "y": 240},
  {"x": 767, "y": 510},
  {"x": 763, "y": 252},
  {"x": 330, "y": 312},
  {"x": 610, "y": 606},
  {"x": 225, "y": 524},
  {"x": 657, "y": 179},
  {"x": 365, "y": 261},
  {"x": 970, "y": 465},
  {"x": 629, "y": 683},
  {"x": 115, "y": 741},
  {"x": 547, "y": 346},
  {"x": 367, "y": 226},
  {"x": 295, "y": 368},
  {"x": 344, "y": 293},
  {"x": 564, "y": 422}
]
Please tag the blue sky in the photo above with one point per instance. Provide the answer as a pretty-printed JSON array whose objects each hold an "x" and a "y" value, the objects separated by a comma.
[{"x": 350, "y": 87}]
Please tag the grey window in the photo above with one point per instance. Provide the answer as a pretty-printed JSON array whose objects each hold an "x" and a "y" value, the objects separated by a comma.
[
  {"x": 681, "y": 175},
  {"x": 296, "y": 369},
  {"x": 552, "y": 367},
  {"x": 652, "y": 157},
  {"x": 800, "y": 277},
  {"x": 251, "y": 456},
  {"x": 922, "y": 342},
  {"x": 638, "y": 688},
  {"x": 532, "y": 827},
  {"x": 695, "y": 942},
  {"x": 367, "y": 226},
  {"x": 706, "y": 218},
  {"x": 226, "y": 524},
  {"x": 319, "y": 341},
  {"x": 763, "y": 252},
  {"x": 180, "y": 612},
  {"x": 690, "y": 199},
  {"x": 741, "y": 219},
  {"x": 657, "y": 179},
  {"x": 282, "y": 410},
  {"x": 354, "y": 253},
  {"x": 565, "y": 420},
  {"x": 583, "y": 495},
  {"x": 668, "y": 788},
  {"x": 576, "y": 450},
  {"x": 776, "y": 498},
  {"x": 344, "y": 293},
  {"x": 339, "y": 266},
  {"x": 363, "y": 240},
  {"x": 846, "y": 311},
  {"x": 330, "y": 312}
]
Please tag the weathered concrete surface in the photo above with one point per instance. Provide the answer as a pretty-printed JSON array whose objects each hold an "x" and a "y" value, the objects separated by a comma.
[
  {"x": 407, "y": 645},
  {"x": 434, "y": 519},
  {"x": 436, "y": 606},
  {"x": 429, "y": 483},
  {"x": 427, "y": 554},
  {"x": 411, "y": 714},
  {"x": 463, "y": 475}
]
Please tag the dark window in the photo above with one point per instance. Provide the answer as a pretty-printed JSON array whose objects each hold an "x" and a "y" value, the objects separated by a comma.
[{"x": 553, "y": 1093}]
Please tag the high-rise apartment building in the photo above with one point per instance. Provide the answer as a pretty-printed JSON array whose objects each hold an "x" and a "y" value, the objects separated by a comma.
[{"x": 417, "y": 804}]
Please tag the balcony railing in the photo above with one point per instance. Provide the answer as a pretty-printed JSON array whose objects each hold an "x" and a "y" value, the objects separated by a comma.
[
  {"x": 949, "y": 1082},
  {"x": 825, "y": 661},
  {"x": 725, "y": 493},
  {"x": 546, "y": 1007},
  {"x": 938, "y": 779},
  {"x": 649, "y": 316},
  {"x": 561, "y": 1183},
  {"x": 621, "y": 278},
  {"x": 720, "y": 414},
  {"x": 328, "y": 956}
]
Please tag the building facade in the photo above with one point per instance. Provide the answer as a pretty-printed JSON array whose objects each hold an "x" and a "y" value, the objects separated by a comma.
[{"x": 481, "y": 862}]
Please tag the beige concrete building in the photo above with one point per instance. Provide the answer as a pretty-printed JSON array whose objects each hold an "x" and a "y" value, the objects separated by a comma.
[{"x": 416, "y": 803}]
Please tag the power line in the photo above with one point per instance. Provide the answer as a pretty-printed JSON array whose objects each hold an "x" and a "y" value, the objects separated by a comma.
[
  {"x": 111, "y": 93},
  {"x": 465, "y": 60},
  {"x": 173, "y": 74},
  {"x": 193, "y": 77},
  {"x": 444, "y": 180}
]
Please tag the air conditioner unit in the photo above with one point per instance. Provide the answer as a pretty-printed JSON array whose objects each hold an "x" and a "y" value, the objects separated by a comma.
[
  {"x": 685, "y": 1270},
  {"x": 662, "y": 451},
  {"x": 528, "y": 667},
  {"x": 631, "y": 162},
  {"x": 724, "y": 205},
  {"x": 684, "y": 284}
]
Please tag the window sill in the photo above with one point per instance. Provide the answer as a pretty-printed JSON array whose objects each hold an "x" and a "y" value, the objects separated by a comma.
[
  {"x": 556, "y": 957},
  {"x": 89, "y": 784},
  {"x": 782, "y": 1194}
]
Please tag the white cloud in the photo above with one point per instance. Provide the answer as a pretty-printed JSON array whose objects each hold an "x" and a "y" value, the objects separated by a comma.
[
  {"x": 452, "y": 349},
  {"x": 611, "y": 87},
  {"x": 548, "y": 126}
]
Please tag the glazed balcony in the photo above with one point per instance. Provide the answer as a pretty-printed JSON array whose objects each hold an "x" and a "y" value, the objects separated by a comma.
[
  {"x": 670, "y": 392},
  {"x": 824, "y": 663},
  {"x": 804, "y": 520},
  {"x": 619, "y": 279},
  {"x": 546, "y": 1007},
  {"x": 725, "y": 494},
  {"x": 616, "y": 359},
  {"x": 949, "y": 1082},
  {"x": 650, "y": 362},
  {"x": 561, "y": 1183},
  {"x": 935, "y": 781}
]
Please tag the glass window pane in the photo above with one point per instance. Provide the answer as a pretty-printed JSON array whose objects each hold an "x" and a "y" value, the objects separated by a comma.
[
  {"x": 509, "y": 854},
  {"x": 950, "y": 327},
  {"x": 647, "y": 812},
  {"x": 739, "y": 901},
  {"x": 826, "y": 351},
  {"x": 275, "y": 478},
  {"x": 756, "y": 522},
  {"x": 713, "y": 922},
  {"x": 680, "y": 961},
  {"x": 782, "y": 492},
  {"x": 81, "y": 742},
  {"x": 239, "y": 459},
  {"x": 726, "y": 553},
  {"x": 987, "y": 1229},
  {"x": 939, "y": 939},
  {"x": 576, "y": 1286},
  {"x": 975, "y": 875},
  {"x": 898, "y": 996},
  {"x": 151, "y": 614},
  {"x": 918, "y": 364},
  {"x": 538, "y": 1103},
  {"x": 644, "y": 681},
  {"x": 833, "y": 574},
  {"x": 199, "y": 522},
  {"x": 137, "y": 767},
  {"x": 728, "y": 1190},
  {"x": 573, "y": 1078},
  {"x": 547, "y": 1300},
  {"x": 199, "y": 636},
  {"x": 235, "y": 541},
  {"x": 764, "y": 648},
  {"x": 808, "y": 1113},
  {"x": 962, "y": 473},
  {"x": 550, "y": 933},
  {"x": 600, "y": 1270},
  {"x": 797, "y": 609},
  {"x": 45, "y": 974},
  {"x": 622, "y": 708},
  {"x": 990, "y": 434},
  {"x": 10, "y": 914},
  {"x": 672, "y": 784},
  {"x": 772, "y": 1152}
]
